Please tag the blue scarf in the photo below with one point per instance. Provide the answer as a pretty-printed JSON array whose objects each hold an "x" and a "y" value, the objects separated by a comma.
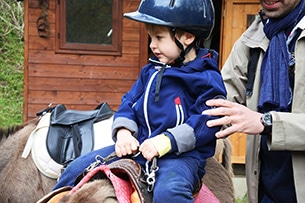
[{"x": 276, "y": 92}]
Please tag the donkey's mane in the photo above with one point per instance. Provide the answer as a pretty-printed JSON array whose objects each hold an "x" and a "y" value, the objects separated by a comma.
[
  {"x": 11, "y": 130},
  {"x": 6, "y": 132}
]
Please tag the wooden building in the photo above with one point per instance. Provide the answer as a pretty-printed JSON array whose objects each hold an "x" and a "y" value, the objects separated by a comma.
[{"x": 61, "y": 65}]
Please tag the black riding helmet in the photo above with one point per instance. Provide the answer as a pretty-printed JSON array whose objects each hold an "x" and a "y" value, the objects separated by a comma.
[{"x": 193, "y": 16}]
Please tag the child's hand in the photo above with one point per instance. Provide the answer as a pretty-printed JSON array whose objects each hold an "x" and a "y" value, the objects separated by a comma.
[
  {"x": 126, "y": 144},
  {"x": 148, "y": 150}
]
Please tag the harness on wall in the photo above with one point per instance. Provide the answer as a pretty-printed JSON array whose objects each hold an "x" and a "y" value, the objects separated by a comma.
[{"x": 42, "y": 22}]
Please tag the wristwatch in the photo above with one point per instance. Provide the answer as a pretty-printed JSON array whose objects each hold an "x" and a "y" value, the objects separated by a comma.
[{"x": 266, "y": 120}]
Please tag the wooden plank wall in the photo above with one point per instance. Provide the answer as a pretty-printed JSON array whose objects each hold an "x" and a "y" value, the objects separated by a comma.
[{"x": 78, "y": 81}]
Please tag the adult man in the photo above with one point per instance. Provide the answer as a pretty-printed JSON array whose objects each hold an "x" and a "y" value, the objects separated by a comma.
[{"x": 275, "y": 99}]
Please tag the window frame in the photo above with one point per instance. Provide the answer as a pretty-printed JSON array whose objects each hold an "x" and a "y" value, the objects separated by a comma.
[{"x": 62, "y": 46}]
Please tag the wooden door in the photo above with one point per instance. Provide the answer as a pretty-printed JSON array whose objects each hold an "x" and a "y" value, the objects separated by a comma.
[{"x": 237, "y": 16}]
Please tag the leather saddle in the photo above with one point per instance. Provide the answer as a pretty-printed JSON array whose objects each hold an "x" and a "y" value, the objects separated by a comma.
[
  {"x": 126, "y": 176},
  {"x": 71, "y": 132}
]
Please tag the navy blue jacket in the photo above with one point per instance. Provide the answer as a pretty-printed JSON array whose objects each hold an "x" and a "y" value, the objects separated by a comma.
[{"x": 176, "y": 112}]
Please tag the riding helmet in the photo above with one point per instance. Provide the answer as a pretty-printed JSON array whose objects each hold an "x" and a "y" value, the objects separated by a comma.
[{"x": 194, "y": 16}]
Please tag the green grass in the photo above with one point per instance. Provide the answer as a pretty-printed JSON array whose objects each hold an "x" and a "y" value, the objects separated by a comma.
[
  {"x": 11, "y": 66},
  {"x": 244, "y": 199}
]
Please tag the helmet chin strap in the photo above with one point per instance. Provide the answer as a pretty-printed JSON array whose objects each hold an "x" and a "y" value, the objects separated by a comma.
[{"x": 179, "y": 61}]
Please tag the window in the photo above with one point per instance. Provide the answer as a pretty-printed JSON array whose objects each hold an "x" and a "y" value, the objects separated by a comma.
[
  {"x": 250, "y": 19},
  {"x": 89, "y": 26}
]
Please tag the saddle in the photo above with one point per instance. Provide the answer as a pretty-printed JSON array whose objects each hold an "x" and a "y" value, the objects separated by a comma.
[
  {"x": 127, "y": 178},
  {"x": 125, "y": 175},
  {"x": 71, "y": 132}
]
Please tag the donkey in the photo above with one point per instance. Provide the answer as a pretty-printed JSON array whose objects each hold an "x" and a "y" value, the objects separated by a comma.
[
  {"x": 216, "y": 179},
  {"x": 22, "y": 182}
]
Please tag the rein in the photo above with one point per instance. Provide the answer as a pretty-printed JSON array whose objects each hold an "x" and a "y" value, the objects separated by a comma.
[{"x": 150, "y": 172}]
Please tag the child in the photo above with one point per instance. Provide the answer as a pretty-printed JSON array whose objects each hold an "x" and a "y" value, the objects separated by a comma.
[{"x": 161, "y": 114}]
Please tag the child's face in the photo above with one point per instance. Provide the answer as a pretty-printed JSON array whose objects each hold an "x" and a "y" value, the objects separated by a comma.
[{"x": 163, "y": 45}]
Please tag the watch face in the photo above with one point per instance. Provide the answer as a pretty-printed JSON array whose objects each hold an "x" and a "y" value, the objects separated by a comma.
[{"x": 267, "y": 119}]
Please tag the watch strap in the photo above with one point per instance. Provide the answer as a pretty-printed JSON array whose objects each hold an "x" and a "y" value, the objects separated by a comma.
[
  {"x": 267, "y": 130},
  {"x": 266, "y": 120}
]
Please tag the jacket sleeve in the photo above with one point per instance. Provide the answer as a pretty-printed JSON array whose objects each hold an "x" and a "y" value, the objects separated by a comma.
[
  {"x": 288, "y": 132},
  {"x": 194, "y": 133},
  {"x": 125, "y": 115},
  {"x": 234, "y": 72}
]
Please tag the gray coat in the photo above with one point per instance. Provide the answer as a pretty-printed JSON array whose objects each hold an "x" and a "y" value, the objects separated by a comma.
[{"x": 288, "y": 130}]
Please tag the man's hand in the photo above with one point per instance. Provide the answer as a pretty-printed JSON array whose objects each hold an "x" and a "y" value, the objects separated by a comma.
[{"x": 238, "y": 117}]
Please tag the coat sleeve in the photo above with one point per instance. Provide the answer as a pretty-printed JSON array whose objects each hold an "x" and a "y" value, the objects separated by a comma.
[
  {"x": 213, "y": 88},
  {"x": 288, "y": 132},
  {"x": 125, "y": 115},
  {"x": 194, "y": 133},
  {"x": 234, "y": 72}
]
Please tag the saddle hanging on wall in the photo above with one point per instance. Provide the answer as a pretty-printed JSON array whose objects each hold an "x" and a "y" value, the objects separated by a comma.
[{"x": 71, "y": 132}]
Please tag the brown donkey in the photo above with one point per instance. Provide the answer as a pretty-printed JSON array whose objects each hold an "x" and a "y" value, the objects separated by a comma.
[{"x": 22, "y": 182}]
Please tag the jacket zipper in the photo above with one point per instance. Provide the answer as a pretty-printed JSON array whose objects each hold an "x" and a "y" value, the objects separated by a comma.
[{"x": 146, "y": 102}]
